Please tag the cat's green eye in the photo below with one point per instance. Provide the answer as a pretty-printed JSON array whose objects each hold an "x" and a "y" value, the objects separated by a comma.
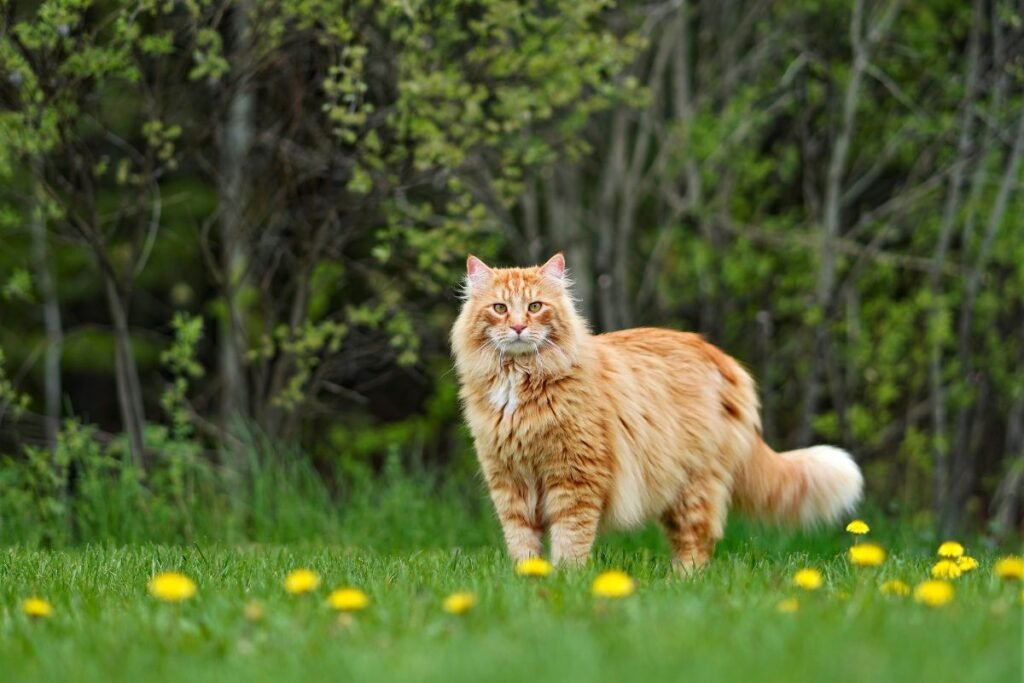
[
  {"x": 534, "y": 307},
  {"x": 500, "y": 308}
]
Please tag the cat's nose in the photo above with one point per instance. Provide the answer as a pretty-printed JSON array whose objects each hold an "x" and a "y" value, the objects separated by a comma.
[{"x": 518, "y": 328}]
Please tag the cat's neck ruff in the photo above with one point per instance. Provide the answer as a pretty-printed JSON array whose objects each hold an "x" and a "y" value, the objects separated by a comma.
[{"x": 551, "y": 362}]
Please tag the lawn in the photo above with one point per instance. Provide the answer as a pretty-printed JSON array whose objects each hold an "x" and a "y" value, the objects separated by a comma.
[{"x": 723, "y": 625}]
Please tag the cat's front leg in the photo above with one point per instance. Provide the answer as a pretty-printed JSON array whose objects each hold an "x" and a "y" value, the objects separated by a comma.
[
  {"x": 573, "y": 511},
  {"x": 515, "y": 501}
]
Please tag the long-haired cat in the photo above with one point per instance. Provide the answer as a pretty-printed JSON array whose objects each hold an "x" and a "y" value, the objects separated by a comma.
[{"x": 573, "y": 429}]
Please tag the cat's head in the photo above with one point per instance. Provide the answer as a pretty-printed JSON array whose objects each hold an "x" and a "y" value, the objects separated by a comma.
[{"x": 517, "y": 312}]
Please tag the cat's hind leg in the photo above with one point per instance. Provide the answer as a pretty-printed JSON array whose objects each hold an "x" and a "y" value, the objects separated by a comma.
[{"x": 696, "y": 521}]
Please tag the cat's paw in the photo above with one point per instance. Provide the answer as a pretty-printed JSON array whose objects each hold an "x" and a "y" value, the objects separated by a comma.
[
  {"x": 570, "y": 562},
  {"x": 688, "y": 568}
]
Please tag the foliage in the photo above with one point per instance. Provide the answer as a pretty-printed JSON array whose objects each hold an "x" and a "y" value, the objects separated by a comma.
[
  {"x": 253, "y": 217},
  {"x": 11, "y": 400}
]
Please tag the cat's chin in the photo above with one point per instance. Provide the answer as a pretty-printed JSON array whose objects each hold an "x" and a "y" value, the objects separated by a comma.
[{"x": 519, "y": 348}]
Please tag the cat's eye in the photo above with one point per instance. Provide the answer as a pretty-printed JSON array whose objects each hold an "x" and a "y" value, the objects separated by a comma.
[
  {"x": 500, "y": 308},
  {"x": 534, "y": 307}
]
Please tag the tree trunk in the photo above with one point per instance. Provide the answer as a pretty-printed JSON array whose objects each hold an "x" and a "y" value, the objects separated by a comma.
[
  {"x": 238, "y": 139},
  {"x": 126, "y": 372},
  {"x": 1006, "y": 503},
  {"x": 51, "y": 322},
  {"x": 830, "y": 223},
  {"x": 614, "y": 168},
  {"x": 565, "y": 226},
  {"x": 950, "y": 211},
  {"x": 862, "y": 39}
]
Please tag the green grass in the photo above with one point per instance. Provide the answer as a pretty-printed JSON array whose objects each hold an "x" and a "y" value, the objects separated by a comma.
[{"x": 720, "y": 626}]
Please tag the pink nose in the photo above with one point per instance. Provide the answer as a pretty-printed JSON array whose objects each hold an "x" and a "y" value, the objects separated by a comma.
[{"x": 518, "y": 328}]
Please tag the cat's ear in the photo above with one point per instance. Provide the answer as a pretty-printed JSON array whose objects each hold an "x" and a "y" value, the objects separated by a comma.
[
  {"x": 554, "y": 268},
  {"x": 477, "y": 272}
]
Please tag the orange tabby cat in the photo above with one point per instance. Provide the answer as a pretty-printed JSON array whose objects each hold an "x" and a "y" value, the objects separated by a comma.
[{"x": 572, "y": 429}]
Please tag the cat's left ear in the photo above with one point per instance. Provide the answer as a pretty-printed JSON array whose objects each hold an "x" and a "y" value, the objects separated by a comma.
[{"x": 555, "y": 268}]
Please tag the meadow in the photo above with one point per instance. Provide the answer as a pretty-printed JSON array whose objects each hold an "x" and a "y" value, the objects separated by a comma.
[
  {"x": 233, "y": 235},
  {"x": 742, "y": 619}
]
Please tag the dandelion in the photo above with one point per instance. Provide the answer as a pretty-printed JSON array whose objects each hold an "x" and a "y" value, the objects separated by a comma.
[
  {"x": 894, "y": 587},
  {"x": 967, "y": 564},
  {"x": 934, "y": 593},
  {"x": 613, "y": 584},
  {"x": 946, "y": 569},
  {"x": 1011, "y": 567},
  {"x": 37, "y": 608},
  {"x": 867, "y": 555},
  {"x": 459, "y": 603},
  {"x": 788, "y": 606},
  {"x": 301, "y": 581},
  {"x": 534, "y": 566},
  {"x": 808, "y": 579},
  {"x": 858, "y": 527},
  {"x": 951, "y": 549},
  {"x": 348, "y": 600},
  {"x": 171, "y": 587}
]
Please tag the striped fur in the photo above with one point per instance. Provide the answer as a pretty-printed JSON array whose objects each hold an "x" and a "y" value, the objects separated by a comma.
[{"x": 574, "y": 430}]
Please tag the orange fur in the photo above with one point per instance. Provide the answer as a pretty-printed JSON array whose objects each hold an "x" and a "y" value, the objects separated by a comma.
[{"x": 573, "y": 429}]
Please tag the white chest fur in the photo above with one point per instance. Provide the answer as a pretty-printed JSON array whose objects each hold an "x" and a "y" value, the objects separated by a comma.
[{"x": 503, "y": 393}]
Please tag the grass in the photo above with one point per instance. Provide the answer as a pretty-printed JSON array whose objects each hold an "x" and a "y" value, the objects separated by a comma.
[
  {"x": 720, "y": 626},
  {"x": 409, "y": 541}
]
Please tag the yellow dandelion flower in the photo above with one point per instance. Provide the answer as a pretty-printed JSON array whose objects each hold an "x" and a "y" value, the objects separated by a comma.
[
  {"x": 534, "y": 566},
  {"x": 840, "y": 595},
  {"x": 254, "y": 611},
  {"x": 858, "y": 527},
  {"x": 894, "y": 587},
  {"x": 946, "y": 569},
  {"x": 951, "y": 549},
  {"x": 1011, "y": 567},
  {"x": 613, "y": 584},
  {"x": 459, "y": 603},
  {"x": 808, "y": 579},
  {"x": 967, "y": 564},
  {"x": 867, "y": 555},
  {"x": 934, "y": 593},
  {"x": 301, "y": 581},
  {"x": 171, "y": 587},
  {"x": 36, "y": 607},
  {"x": 348, "y": 600},
  {"x": 788, "y": 606}
]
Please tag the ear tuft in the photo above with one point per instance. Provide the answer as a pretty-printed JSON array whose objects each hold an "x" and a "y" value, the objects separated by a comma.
[
  {"x": 554, "y": 268},
  {"x": 477, "y": 272}
]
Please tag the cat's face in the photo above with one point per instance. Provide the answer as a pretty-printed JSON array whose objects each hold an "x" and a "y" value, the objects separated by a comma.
[{"x": 517, "y": 311}]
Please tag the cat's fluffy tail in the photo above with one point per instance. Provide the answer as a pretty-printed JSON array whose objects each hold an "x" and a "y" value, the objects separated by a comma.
[{"x": 806, "y": 486}]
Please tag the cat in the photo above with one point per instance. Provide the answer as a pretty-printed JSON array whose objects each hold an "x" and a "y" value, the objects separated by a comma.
[{"x": 574, "y": 430}]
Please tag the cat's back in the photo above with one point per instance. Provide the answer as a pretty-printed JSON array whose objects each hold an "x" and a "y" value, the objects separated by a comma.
[
  {"x": 660, "y": 343},
  {"x": 644, "y": 350},
  {"x": 651, "y": 340}
]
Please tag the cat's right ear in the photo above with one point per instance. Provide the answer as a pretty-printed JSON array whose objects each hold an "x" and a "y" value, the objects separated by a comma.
[{"x": 477, "y": 272}]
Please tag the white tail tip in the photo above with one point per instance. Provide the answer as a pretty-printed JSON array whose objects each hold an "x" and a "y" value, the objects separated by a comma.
[{"x": 834, "y": 483}]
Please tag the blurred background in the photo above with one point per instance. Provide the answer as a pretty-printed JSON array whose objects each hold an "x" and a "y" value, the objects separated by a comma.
[{"x": 233, "y": 234}]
